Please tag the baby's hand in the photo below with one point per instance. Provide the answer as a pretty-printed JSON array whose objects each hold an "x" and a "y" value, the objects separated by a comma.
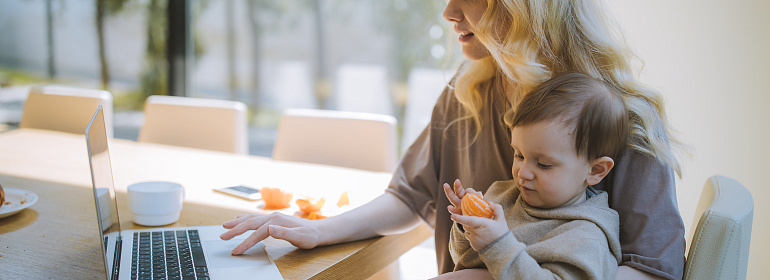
[
  {"x": 455, "y": 196},
  {"x": 480, "y": 231}
]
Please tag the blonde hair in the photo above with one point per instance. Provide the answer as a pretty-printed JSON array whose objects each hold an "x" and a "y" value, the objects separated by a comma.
[{"x": 548, "y": 37}]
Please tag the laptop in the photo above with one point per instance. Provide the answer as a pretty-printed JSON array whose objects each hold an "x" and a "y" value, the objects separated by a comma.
[{"x": 163, "y": 253}]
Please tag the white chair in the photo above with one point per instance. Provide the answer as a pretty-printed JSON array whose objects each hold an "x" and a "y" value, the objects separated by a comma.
[
  {"x": 720, "y": 244},
  {"x": 66, "y": 109},
  {"x": 348, "y": 139},
  {"x": 357, "y": 140},
  {"x": 211, "y": 124}
]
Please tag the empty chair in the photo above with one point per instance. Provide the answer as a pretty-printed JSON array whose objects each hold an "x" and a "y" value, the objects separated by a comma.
[
  {"x": 349, "y": 139},
  {"x": 66, "y": 109},
  {"x": 719, "y": 247},
  {"x": 210, "y": 124}
]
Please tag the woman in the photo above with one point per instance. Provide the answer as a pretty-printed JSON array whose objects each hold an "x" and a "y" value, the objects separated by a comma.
[{"x": 513, "y": 45}]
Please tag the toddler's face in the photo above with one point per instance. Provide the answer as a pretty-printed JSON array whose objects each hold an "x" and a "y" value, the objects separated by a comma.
[{"x": 546, "y": 167}]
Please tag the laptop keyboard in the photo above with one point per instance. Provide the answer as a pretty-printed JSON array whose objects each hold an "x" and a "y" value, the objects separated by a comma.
[{"x": 170, "y": 254}]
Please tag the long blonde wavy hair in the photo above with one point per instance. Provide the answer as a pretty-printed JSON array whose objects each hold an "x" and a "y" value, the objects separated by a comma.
[{"x": 548, "y": 37}]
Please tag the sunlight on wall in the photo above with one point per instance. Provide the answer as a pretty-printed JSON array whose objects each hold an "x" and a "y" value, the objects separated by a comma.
[{"x": 710, "y": 60}]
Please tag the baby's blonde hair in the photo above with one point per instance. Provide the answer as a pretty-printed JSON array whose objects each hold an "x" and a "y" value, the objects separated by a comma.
[{"x": 547, "y": 37}]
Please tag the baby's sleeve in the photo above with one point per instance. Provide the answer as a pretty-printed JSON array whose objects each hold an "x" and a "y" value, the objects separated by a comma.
[{"x": 461, "y": 251}]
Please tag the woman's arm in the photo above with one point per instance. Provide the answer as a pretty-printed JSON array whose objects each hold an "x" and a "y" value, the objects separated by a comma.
[
  {"x": 385, "y": 215},
  {"x": 643, "y": 192},
  {"x": 390, "y": 213}
]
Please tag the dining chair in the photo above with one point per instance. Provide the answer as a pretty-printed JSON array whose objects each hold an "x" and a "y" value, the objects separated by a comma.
[
  {"x": 64, "y": 108},
  {"x": 349, "y": 139},
  {"x": 722, "y": 231},
  {"x": 211, "y": 124}
]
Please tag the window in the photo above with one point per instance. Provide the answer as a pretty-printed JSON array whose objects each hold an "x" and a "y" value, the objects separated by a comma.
[{"x": 390, "y": 57}]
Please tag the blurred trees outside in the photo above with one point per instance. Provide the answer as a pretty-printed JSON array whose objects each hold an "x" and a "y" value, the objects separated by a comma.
[
  {"x": 399, "y": 35},
  {"x": 105, "y": 8},
  {"x": 155, "y": 70}
]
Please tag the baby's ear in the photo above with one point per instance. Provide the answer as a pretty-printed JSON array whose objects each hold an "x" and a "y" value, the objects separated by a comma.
[{"x": 600, "y": 167}]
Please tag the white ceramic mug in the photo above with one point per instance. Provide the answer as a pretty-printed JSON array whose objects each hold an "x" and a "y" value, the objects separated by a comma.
[{"x": 155, "y": 203}]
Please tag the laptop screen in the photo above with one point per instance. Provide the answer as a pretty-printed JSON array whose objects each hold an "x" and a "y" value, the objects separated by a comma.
[
  {"x": 187, "y": 245},
  {"x": 101, "y": 177}
]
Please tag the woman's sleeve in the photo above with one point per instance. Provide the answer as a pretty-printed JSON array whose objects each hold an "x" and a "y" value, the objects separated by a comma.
[
  {"x": 461, "y": 251},
  {"x": 643, "y": 192}
]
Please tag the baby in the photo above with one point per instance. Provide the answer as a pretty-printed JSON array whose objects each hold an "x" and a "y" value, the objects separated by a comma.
[{"x": 548, "y": 221}]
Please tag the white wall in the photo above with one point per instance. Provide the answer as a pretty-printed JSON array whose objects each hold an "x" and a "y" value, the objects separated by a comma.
[{"x": 711, "y": 60}]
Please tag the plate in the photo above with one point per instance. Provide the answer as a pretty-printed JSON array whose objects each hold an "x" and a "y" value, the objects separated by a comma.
[{"x": 16, "y": 200}]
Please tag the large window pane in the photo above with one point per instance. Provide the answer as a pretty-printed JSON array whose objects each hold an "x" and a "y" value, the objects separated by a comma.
[{"x": 357, "y": 55}]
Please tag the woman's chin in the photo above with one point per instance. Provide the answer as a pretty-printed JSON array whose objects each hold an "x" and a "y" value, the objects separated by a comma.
[{"x": 475, "y": 53}]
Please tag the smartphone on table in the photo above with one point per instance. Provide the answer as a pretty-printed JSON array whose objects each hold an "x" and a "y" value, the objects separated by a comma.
[{"x": 241, "y": 191}]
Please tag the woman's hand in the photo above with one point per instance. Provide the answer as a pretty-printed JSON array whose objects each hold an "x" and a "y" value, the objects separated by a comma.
[
  {"x": 480, "y": 231},
  {"x": 455, "y": 197},
  {"x": 299, "y": 232}
]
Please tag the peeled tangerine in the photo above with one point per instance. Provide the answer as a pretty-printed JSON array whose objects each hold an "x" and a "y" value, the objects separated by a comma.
[
  {"x": 275, "y": 198},
  {"x": 474, "y": 205}
]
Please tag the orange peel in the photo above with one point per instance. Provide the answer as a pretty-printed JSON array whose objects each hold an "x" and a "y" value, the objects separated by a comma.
[
  {"x": 344, "y": 200},
  {"x": 315, "y": 215},
  {"x": 275, "y": 198},
  {"x": 308, "y": 206}
]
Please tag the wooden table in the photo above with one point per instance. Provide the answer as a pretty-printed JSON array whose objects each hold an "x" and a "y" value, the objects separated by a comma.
[{"x": 58, "y": 236}]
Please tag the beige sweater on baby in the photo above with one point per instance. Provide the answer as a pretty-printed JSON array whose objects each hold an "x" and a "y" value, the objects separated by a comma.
[{"x": 573, "y": 242}]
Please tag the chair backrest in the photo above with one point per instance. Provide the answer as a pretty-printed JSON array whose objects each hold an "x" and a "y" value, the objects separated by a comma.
[
  {"x": 720, "y": 243},
  {"x": 211, "y": 124},
  {"x": 348, "y": 139},
  {"x": 66, "y": 109}
]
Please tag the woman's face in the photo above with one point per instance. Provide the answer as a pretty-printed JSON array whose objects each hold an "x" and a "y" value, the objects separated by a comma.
[{"x": 465, "y": 14}]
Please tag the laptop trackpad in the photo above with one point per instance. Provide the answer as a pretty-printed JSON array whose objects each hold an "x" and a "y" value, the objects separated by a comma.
[{"x": 218, "y": 252}]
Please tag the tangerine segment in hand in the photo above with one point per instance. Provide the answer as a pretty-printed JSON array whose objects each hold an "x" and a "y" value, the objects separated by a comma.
[
  {"x": 275, "y": 198},
  {"x": 474, "y": 205}
]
